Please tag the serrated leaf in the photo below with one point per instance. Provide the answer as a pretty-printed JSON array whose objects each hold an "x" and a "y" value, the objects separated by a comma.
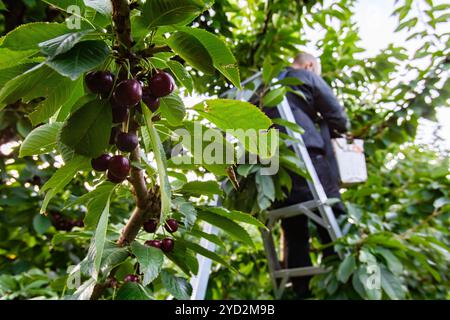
[
  {"x": 28, "y": 36},
  {"x": 41, "y": 140},
  {"x": 172, "y": 108},
  {"x": 220, "y": 55},
  {"x": 83, "y": 57},
  {"x": 199, "y": 188},
  {"x": 112, "y": 257},
  {"x": 102, "y": 6},
  {"x": 203, "y": 251},
  {"x": 95, "y": 252},
  {"x": 228, "y": 226},
  {"x": 188, "y": 211},
  {"x": 182, "y": 75},
  {"x": 150, "y": 261},
  {"x": 62, "y": 177},
  {"x": 179, "y": 287},
  {"x": 63, "y": 43},
  {"x": 40, "y": 81},
  {"x": 346, "y": 268},
  {"x": 170, "y": 12},
  {"x": 87, "y": 131},
  {"x": 133, "y": 291},
  {"x": 236, "y": 216}
]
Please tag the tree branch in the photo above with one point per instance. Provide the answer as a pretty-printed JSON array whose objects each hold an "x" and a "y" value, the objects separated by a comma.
[{"x": 148, "y": 203}]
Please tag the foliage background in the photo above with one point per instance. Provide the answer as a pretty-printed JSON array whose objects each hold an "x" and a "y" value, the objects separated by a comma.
[{"x": 398, "y": 220}]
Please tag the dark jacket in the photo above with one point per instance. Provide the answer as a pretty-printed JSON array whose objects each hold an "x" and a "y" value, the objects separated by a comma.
[{"x": 321, "y": 115}]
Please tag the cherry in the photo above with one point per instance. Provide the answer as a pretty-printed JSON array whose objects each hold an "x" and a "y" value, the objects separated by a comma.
[
  {"x": 113, "y": 178},
  {"x": 119, "y": 114},
  {"x": 113, "y": 283},
  {"x": 128, "y": 92},
  {"x": 167, "y": 244},
  {"x": 131, "y": 278},
  {"x": 114, "y": 132},
  {"x": 161, "y": 84},
  {"x": 154, "y": 243},
  {"x": 149, "y": 99},
  {"x": 126, "y": 142},
  {"x": 100, "y": 82},
  {"x": 118, "y": 167},
  {"x": 36, "y": 180},
  {"x": 151, "y": 225},
  {"x": 171, "y": 225},
  {"x": 101, "y": 163}
]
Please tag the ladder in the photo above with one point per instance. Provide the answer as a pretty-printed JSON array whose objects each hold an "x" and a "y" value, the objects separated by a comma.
[{"x": 325, "y": 217}]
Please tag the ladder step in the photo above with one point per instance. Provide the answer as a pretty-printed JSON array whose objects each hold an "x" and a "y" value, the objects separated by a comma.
[{"x": 298, "y": 272}]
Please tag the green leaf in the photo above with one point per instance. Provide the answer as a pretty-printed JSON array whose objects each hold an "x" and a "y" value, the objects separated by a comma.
[
  {"x": 83, "y": 57},
  {"x": 290, "y": 125},
  {"x": 40, "y": 140},
  {"x": 133, "y": 291},
  {"x": 208, "y": 236},
  {"x": 95, "y": 202},
  {"x": 270, "y": 70},
  {"x": 221, "y": 56},
  {"x": 112, "y": 257},
  {"x": 179, "y": 287},
  {"x": 392, "y": 261},
  {"x": 235, "y": 216},
  {"x": 161, "y": 161},
  {"x": 227, "y": 225},
  {"x": 95, "y": 252},
  {"x": 172, "y": 108},
  {"x": 62, "y": 44},
  {"x": 391, "y": 284},
  {"x": 87, "y": 131},
  {"x": 346, "y": 268},
  {"x": 40, "y": 81},
  {"x": 188, "y": 211},
  {"x": 41, "y": 223},
  {"x": 199, "y": 188},
  {"x": 203, "y": 251},
  {"x": 28, "y": 36},
  {"x": 62, "y": 177},
  {"x": 234, "y": 115},
  {"x": 274, "y": 97},
  {"x": 170, "y": 12},
  {"x": 102, "y": 6},
  {"x": 182, "y": 75},
  {"x": 10, "y": 58},
  {"x": 192, "y": 51},
  {"x": 84, "y": 292},
  {"x": 150, "y": 261}
]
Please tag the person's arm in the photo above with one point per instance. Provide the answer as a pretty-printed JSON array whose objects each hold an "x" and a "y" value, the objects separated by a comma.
[{"x": 328, "y": 106}]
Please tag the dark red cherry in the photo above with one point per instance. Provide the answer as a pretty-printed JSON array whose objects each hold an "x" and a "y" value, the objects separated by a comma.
[
  {"x": 101, "y": 163},
  {"x": 149, "y": 99},
  {"x": 126, "y": 141},
  {"x": 100, "y": 82},
  {"x": 167, "y": 245},
  {"x": 113, "y": 178},
  {"x": 118, "y": 167},
  {"x": 161, "y": 84},
  {"x": 151, "y": 225},
  {"x": 153, "y": 243},
  {"x": 128, "y": 93},
  {"x": 131, "y": 278},
  {"x": 171, "y": 225}
]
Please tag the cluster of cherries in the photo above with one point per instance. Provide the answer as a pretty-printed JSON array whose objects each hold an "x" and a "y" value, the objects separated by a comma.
[
  {"x": 63, "y": 223},
  {"x": 127, "y": 94},
  {"x": 166, "y": 244}
]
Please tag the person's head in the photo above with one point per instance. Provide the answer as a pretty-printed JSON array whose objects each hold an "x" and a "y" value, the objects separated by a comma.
[{"x": 308, "y": 62}]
